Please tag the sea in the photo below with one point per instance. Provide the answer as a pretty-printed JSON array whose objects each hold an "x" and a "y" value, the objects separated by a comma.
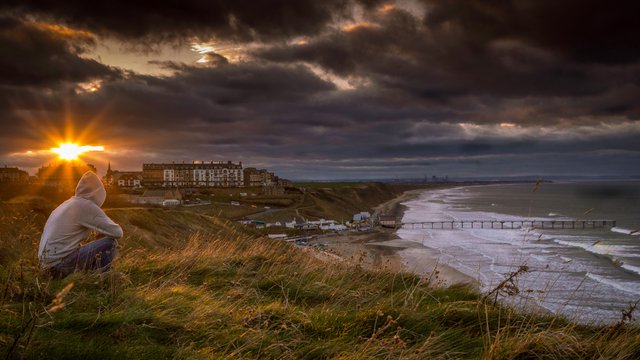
[{"x": 587, "y": 275}]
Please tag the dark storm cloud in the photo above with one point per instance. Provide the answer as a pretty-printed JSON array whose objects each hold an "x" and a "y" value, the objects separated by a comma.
[
  {"x": 35, "y": 55},
  {"x": 279, "y": 115},
  {"x": 429, "y": 90},
  {"x": 496, "y": 146},
  {"x": 239, "y": 19},
  {"x": 450, "y": 59},
  {"x": 195, "y": 106},
  {"x": 215, "y": 100},
  {"x": 585, "y": 31},
  {"x": 402, "y": 53}
]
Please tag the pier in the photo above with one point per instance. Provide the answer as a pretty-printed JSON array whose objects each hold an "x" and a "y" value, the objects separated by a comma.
[{"x": 509, "y": 224}]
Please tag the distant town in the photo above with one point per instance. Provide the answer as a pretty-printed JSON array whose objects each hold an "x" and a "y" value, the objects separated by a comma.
[
  {"x": 253, "y": 197},
  {"x": 193, "y": 184},
  {"x": 174, "y": 175}
]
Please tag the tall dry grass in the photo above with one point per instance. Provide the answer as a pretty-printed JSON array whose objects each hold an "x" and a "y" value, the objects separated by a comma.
[{"x": 193, "y": 286}]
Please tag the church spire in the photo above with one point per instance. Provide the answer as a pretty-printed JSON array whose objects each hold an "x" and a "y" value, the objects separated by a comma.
[{"x": 108, "y": 177}]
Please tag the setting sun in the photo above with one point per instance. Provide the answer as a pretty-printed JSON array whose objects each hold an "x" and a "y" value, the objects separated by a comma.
[{"x": 70, "y": 151}]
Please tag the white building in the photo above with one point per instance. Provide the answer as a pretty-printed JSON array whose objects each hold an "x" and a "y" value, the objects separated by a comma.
[{"x": 195, "y": 174}]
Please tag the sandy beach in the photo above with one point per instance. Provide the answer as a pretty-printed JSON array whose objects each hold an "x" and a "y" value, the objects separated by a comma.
[{"x": 381, "y": 249}]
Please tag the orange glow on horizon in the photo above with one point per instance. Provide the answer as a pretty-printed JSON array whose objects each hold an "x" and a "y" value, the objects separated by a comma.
[{"x": 70, "y": 151}]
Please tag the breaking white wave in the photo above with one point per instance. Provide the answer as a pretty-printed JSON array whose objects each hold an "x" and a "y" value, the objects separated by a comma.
[
  {"x": 560, "y": 258},
  {"x": 625, "y": 231},
  {"x": 629, "y": 251},
  {"x": 635, "y": 269},
  {"x": 616, "y": 284},
  {"x": 556, "y": 215}
]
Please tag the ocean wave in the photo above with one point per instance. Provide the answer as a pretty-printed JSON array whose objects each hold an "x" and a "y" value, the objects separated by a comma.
[
  {"x": 485, "y": 252},
  {"x": 625, "y": 231},
  {"x": 629, "y": 251},
  {"x": 615, "y": 284},
  {"x": 635, "y": 269},
  {"x": 540, "y": 258}
]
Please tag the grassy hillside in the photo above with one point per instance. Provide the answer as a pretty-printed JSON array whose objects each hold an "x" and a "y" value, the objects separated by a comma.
[
  {"x": 188, "y": 285},
  {"x": 337, "y": 201},
  {"x": 344, "y": 200}
]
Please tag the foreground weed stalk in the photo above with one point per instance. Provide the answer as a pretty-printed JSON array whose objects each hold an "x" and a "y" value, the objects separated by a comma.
[
  {"x": 29, "y": 326},
  {"x": 508, "y": 285},
  {"x": 627, "y": 316}
]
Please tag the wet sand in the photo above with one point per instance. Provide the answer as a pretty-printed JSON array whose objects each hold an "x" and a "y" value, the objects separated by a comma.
[{"x": 381, "y": 249}]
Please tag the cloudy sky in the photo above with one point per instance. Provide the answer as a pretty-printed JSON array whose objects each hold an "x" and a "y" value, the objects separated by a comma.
[{"x": 327, "y": 89}]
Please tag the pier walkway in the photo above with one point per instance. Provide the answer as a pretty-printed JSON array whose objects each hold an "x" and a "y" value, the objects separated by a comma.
[{"x": 509, "y": 224}]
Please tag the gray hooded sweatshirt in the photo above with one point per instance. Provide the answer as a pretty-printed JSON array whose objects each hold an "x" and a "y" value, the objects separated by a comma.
[{"x": 72, "y": 221}]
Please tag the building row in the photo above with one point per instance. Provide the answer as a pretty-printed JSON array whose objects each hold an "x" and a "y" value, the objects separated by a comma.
[
  {"x": 261, "y": 177},
  {"x": 194, "y": 174},
  {"x": 58, "y": 175},
  {"x": 197, "y": 174},
  {"x": 209, "y": 174},
  {"x": 122, "y": 179},
  {"x": 13, "y": 175}
]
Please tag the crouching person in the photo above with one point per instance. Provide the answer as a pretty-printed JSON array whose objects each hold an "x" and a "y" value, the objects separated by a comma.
[{"x": 60, "y": 252}]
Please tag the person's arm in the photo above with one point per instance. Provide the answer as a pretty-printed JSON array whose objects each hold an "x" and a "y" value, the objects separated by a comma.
[
  {"x": 107, "y": 227},
  {"x": 97, "y": 220}
]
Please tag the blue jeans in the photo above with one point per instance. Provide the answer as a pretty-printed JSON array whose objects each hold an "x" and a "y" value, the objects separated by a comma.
[{"x": 93, "y": 256}]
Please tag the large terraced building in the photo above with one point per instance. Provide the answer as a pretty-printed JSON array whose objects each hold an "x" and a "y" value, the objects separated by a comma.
[{"x": 194, "y": 174}]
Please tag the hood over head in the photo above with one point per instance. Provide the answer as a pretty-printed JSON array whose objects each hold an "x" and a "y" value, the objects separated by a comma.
[{"x": 90, "y": 187}]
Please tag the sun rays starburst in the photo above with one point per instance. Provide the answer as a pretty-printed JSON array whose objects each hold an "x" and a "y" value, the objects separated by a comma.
[{"x": 71, "y": 151}]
